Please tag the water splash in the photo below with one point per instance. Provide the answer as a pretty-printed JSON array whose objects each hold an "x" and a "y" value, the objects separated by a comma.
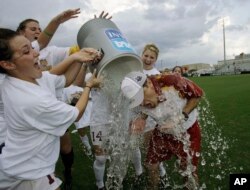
[
  {"x": 215, "y": 159},
  {"x": 215, "y": 164},
  {"x": 118, "y": 145}
]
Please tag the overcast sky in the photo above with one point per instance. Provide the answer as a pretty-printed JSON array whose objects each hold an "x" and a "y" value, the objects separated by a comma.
[{"x": 186, "y": 31}]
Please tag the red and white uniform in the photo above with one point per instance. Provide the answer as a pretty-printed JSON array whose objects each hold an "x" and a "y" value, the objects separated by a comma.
[{"x": 176, "y": 90}]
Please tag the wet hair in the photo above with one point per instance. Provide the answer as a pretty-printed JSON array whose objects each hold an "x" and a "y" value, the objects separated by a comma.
[
  {"x": 22, "y": 25},
  {"x": 176, "y": 67},
  {"x": 151, "y": 47},
  {"x": 6, "y": 52}
]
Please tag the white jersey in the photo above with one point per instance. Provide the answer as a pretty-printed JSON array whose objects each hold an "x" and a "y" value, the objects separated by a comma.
[
  {"x": 51, "y": 54},
  {"x": 101, "y": 109},
  {"x": 35, "y": 121},
  {"x": 3, "y": 127},
  {"x": 54, "y": 55},
  {"x": 75, "y": 91},
  {"x": 152, "y": 71}
]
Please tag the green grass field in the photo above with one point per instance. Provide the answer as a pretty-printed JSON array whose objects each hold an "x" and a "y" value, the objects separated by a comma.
[{"x": 227, "y": 108}]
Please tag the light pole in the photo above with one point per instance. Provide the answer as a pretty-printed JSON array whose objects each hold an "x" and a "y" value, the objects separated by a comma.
[{"x": 224, "y": 21}]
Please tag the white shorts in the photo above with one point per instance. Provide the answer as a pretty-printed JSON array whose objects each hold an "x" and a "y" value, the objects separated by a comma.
[
  {"x": 98, "y": 134},
  {"x": 49, "y": 182}
]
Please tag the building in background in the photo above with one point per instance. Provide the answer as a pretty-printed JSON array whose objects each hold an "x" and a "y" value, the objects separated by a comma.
[
  {"x": 198, "y": 69},
  {"x": 240, "y": 64}
]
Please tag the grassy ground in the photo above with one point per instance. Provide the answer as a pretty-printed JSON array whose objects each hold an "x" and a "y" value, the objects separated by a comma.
[
  {"x": 229, "y": 98},
  {"x": 229, "y": 103}
]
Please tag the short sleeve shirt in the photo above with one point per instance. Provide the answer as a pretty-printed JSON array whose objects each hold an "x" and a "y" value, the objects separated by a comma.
[{"x": 35, "y": 121}]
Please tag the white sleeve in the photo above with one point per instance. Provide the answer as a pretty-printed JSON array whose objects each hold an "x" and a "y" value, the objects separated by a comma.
[
  {"x": 56, "y": 83},
  {"x": 51, "y": 116},
  {"x": 60, "y": 84},
  {"x": 60, "y": 81}
]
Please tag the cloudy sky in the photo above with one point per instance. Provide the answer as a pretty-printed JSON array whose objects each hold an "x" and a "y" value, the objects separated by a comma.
[{"x": 186, "y": 31}]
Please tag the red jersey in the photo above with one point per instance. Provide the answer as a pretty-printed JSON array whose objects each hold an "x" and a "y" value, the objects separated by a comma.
[{"x": 187, "y": 88}]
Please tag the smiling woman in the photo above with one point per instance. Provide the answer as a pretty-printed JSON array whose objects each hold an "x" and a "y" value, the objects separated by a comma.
[
  {"x": 23, "y": 63},
  {"x": 35, "y": 118}
]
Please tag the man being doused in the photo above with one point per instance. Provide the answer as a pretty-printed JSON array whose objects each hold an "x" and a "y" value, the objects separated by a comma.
[{"x": 171, "y": 100}]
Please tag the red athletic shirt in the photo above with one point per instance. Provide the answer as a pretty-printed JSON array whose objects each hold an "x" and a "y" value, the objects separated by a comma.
[{"x": 186, "y": 87}]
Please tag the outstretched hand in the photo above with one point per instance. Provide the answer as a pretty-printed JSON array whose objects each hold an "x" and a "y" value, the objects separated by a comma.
[
  {"x": 104, "y": 15},
  {"x": 67, "y": 15}
]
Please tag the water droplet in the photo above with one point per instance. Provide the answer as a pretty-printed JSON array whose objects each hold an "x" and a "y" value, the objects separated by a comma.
[
  {"x": 203, "y": 162},
  {"x": 197, "y": 154},
  {"x": 218, "y": 177}
]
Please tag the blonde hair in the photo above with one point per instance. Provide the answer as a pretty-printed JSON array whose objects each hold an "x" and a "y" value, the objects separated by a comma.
[{"x": 151, "y": 47}]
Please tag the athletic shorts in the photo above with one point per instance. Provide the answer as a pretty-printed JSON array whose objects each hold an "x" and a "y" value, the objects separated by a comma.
[
  {"x": 98, "y": 134},
  {"x": 49, "y": 182},
  {"x": 163, "y": 146}
]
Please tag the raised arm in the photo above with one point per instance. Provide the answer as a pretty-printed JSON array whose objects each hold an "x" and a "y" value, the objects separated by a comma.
[
  {"x": 103, "y": 15},
  {"x": 47, "y": 34}
]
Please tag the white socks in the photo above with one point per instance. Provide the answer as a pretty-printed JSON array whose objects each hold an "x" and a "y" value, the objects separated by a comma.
[
  {"x": 85, "y": 141},
  {"x": 162, "y": 169},
  {"x": 136, "y": 159},
  {"x": 99, "y": 169}
]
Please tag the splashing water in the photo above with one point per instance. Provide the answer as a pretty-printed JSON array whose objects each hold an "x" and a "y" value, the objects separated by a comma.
[
  {"x": 169, "y": 113},
  {"x": 215, "y": 164},
  {"x": 215, "y": 159},
  {"x": 118, "y": 143}
]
